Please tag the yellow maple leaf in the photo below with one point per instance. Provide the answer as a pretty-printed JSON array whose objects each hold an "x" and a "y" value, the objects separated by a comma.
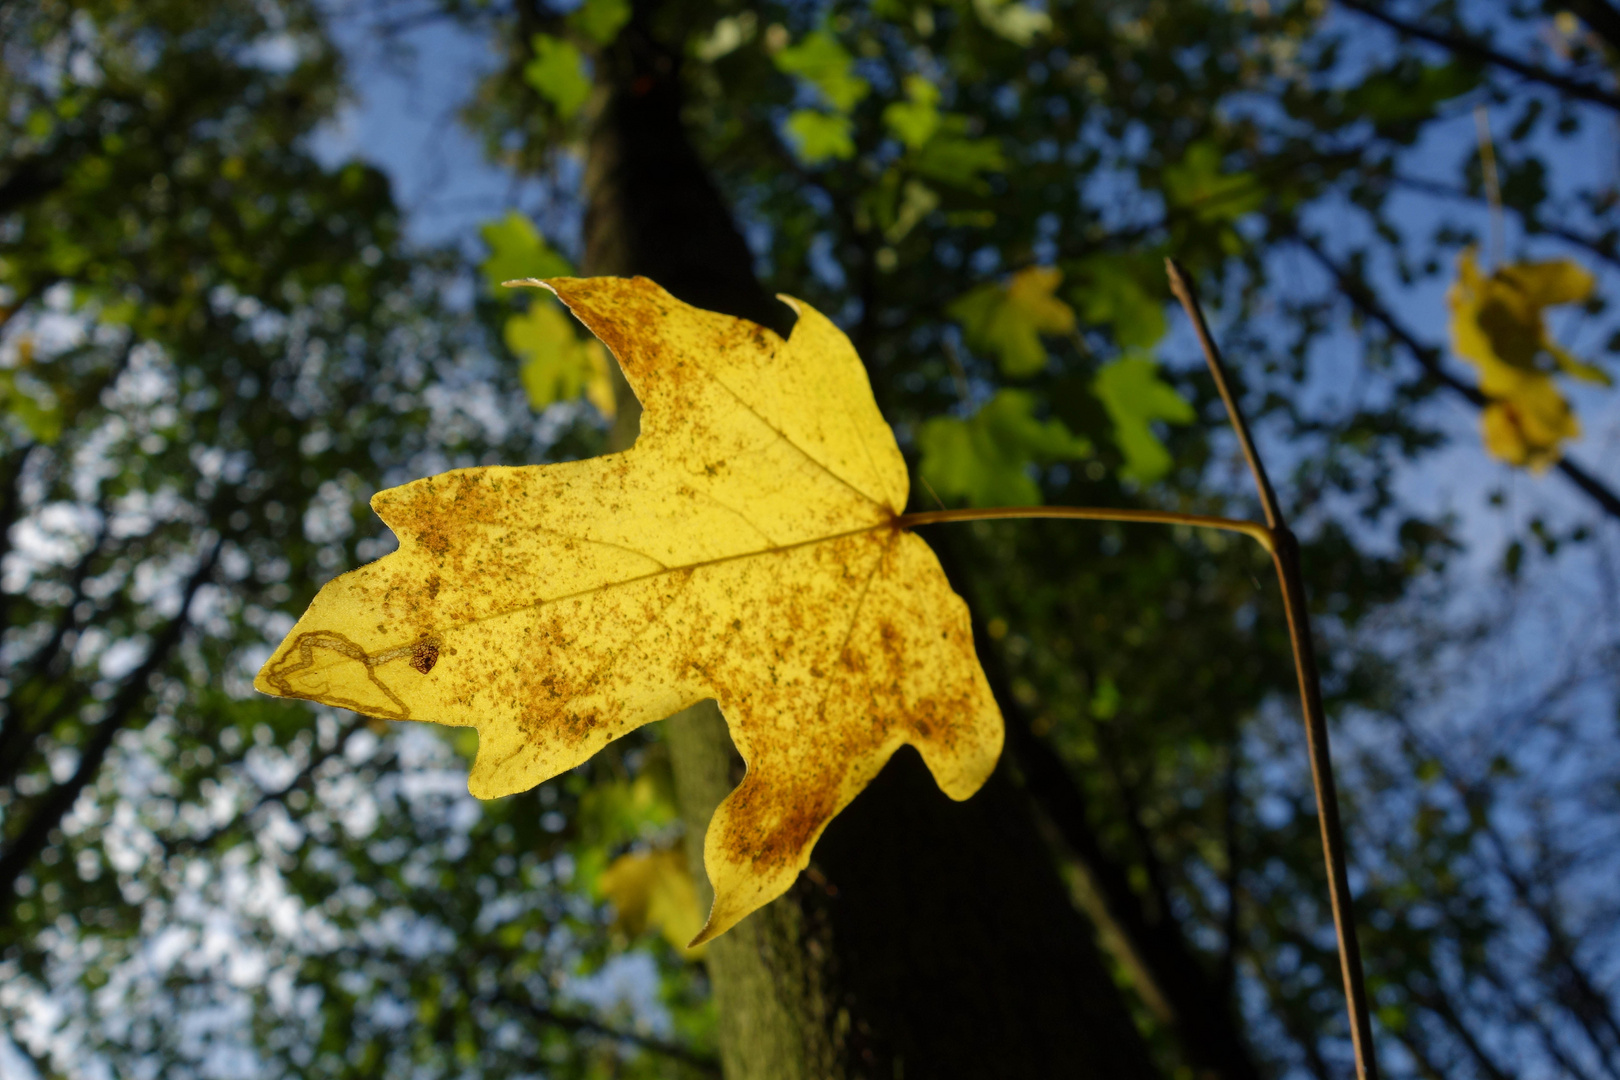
[
  {"x": 745, "y": 549},
  {"x": 654, "y": 889},
  {"x": 1498, "y": 325}
]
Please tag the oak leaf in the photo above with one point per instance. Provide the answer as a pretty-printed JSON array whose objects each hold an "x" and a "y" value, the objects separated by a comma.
[{"x": 746, "y": 549}]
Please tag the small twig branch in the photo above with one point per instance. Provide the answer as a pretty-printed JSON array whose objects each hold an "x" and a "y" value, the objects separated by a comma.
[
  {"x": 1284, "y": 549},
  {"x": 573, "y": 1023},
  {"x": 1089, "y": 513}
]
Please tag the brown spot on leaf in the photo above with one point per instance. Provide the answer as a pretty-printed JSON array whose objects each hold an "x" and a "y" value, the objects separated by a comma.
[{"x": 424, "y": 654}]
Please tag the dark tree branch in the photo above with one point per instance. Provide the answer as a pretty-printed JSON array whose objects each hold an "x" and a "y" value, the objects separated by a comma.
[
  {"x": 1602, "y": 17},
  {"x": 1601, "y": 246},
  {"x": 48, "y": 811},
  {"x": 571, "y": 1023},
  {"x": 20, "y": 728},
  {"x": 1158, "y": 890},
  {"x": 1226, "y": 974},
  {"x": 1429, "y": 358},
  {"x": 1440, "y": 1005},
  {"x": 1579, "y": 89}
]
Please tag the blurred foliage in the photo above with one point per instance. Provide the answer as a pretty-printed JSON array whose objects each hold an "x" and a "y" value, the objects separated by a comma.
[
  {"x": 215, "y": 347},
  {"x": 1498, "y": 325}
]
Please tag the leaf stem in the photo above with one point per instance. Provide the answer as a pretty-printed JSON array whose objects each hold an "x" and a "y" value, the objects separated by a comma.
[
  {"x": 1091, "y": 513},
  {"x": 1285, "y": 555}
]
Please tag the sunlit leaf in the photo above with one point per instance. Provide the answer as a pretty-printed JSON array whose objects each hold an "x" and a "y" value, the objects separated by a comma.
[
  {"x": 987, "y": 458},
  {"x": 653, "y": 890},
  {"x": 821, "y": 61},
  {"x": 818, "y": 136},
  {"x": 1498, "y": 325},
  {"x": 1135, "y": 397},
  {"x": 600, "y": 20},
  {"x": 744, "y": 549},
  {"x": 517, "y": 250},
  {"x": 1008, "y": 319},
  {"x": 557, "y": 73},
  {"x": 915, "y": 119},
  {"x": 558, "y": 364}
]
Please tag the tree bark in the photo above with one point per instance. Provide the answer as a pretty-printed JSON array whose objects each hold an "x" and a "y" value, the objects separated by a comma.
[{"x": 928, "y": 938}]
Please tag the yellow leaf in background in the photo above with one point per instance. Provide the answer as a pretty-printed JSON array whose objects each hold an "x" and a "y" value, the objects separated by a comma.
[
  {"x": 654, "y": 889},
  {"x": 745, "y": 549},
  {"x": 1524, "y": 437},
  {"x": 1009, "y": 319},
  {"x": 558, "y": 365},
  {"x": 1498, "y": 325}
]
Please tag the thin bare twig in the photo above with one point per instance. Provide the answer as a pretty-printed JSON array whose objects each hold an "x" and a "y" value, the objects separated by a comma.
[
  {"x": 1284, "y": 549},
  {"x": 1088, "y": 513}
]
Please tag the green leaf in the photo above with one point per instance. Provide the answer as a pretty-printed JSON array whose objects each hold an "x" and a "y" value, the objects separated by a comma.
[
  {"x": 557, "y": 73},
  {"x": 1410, "y": 90},
  {"x": 917, "y": 201},
  {"x": 1009, "y": 319},
  {"x": 601, "y": 20},
  {"x": 1196, "y": 183},
  {"x": 821, "y": 61},
  {"x": 987, "y": 458},
  {"x": 42, "y": 421},
  {"x": 952, "y": 159},
  {"x": 558, "y": 365},
  {"x": 818, "y": 136},
  {"x": 914, "y": 120},
  {"x": 1134, "y": 396},
  {"x": 618, "y": 811},
  {"x": 517, "y": 250},
  {"x": 1114, "y": 296}
]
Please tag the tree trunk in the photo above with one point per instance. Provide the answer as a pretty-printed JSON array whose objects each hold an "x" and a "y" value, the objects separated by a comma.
[{"x": 928, "y": 938}]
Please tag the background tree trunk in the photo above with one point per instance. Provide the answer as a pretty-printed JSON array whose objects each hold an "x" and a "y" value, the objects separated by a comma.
[{"x": 929, "y": 938}]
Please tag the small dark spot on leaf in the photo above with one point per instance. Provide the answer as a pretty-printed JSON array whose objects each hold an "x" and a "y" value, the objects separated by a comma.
[{"x": 424, "y": 654}]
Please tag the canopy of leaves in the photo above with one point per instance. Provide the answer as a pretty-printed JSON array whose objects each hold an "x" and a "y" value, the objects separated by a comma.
[{"x": 158, "y": 202}]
